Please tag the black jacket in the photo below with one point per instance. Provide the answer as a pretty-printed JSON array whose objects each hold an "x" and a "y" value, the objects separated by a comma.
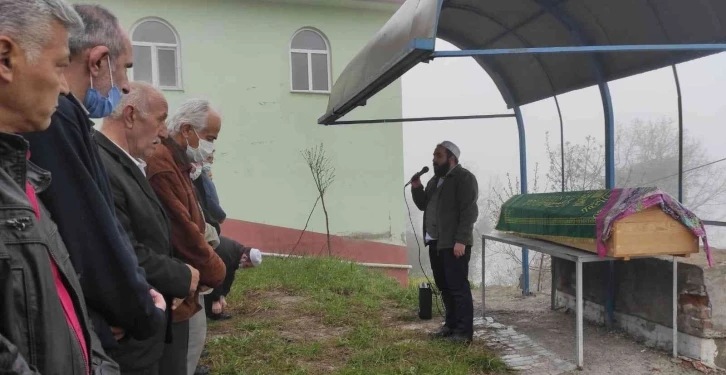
[
  {"x": 230, "y": 251},
  {"x": 33, "y": 324},
  {"x": 144, "y": 220},
  {"x": 457, "y": 207},
  {"x": 80, "y": 202}
]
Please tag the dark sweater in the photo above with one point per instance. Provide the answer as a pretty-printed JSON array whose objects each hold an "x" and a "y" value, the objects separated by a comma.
[{"x": 456, "y": 209}]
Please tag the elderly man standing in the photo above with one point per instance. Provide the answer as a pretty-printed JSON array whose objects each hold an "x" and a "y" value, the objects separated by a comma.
[
  {"x": 450, "y": 211},
  {"x": 127, "y": 139},
  {"x": 80, "y": 200},
  {"x": 43, "y": 322},
  {"x": 192, "y": 132}
]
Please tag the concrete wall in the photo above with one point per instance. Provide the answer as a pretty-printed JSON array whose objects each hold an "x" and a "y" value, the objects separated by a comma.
[
  {"x": 706, "y": 350},
  {"x": 235, "y": 53},
  {"x": 643, "y": 301}
]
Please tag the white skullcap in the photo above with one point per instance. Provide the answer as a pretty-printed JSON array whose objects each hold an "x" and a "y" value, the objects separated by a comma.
[
  {"x": 451, "y": 147},
  {"x": 255, "y": 257}
]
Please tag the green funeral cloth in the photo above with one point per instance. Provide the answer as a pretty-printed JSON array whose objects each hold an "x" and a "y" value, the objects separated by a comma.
[{"x": 570, "y": 214}]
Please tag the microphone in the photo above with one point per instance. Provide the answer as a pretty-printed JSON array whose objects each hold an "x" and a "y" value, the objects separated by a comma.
[{"x": 423, "y": 171}]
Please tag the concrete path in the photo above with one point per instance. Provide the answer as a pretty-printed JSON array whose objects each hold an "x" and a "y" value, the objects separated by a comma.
[
  {"x": 518, "y": 350},
  {"x": 536, "y": 340}
]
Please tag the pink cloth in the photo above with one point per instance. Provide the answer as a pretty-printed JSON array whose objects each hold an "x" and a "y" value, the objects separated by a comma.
[
  {"x": 63, "y": 295},
  {"x": 626, "y": 202}
]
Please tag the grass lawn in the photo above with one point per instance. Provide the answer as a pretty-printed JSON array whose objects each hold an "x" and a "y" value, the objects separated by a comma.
[{"x": 326, "y": 316}]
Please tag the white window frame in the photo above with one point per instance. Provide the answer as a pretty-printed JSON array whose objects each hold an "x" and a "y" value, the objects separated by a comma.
[
  {"x": 155, "y": 56},
  {"x": 309, "y": 53}
]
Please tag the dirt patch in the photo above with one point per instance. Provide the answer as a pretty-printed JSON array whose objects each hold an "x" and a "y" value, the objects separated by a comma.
[
  {"x": 606, "y": 352},
  {"x": 306, "y": 328}
]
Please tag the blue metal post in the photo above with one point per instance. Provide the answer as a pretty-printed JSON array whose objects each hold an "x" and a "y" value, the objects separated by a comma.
[
  {"x": 607, "y": 106},
  {"x": 583, "y": 49},
  {"x": 680, "y": 135},
  {"x": 562, "y": 142},
  {"x": 585, "y": 46},
  {"x": 523, "y": 190}
]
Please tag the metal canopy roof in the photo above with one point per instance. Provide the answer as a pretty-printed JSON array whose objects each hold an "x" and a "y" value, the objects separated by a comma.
[{"x": 408, "y": 38}]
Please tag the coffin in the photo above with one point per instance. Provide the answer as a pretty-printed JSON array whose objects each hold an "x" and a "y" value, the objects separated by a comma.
[{"x": 620, "y": 223}]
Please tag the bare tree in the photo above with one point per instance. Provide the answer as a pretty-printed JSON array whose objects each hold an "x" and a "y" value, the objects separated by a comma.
[
  {"x": 323, "y": 174},
  {"x": 584, "y": 165},
  {"x": 499, "y": 193},
  {"x": 646, "y": 154}
]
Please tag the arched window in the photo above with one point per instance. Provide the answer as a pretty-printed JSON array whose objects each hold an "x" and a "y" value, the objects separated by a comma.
[
  {"x": 157, "y": 59},
  {"x": 309, "y": 62}
]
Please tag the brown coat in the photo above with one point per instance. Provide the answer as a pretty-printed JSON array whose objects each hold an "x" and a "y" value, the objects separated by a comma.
[{"x": 171, "y": 183}]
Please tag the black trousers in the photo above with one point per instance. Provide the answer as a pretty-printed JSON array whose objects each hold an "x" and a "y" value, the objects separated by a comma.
[
  {"x": 153, "y": 370},
  {"x": 140, "y": 357},
  {"x": 230, "y": 252},
  {"x": 174, "y": 359},
  {"x": 451, "y": 276}
]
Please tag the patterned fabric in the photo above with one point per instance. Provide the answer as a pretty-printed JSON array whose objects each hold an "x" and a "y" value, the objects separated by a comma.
[
  {"x": 626, "y": 202},
  {"x": 569, "y": 214}
]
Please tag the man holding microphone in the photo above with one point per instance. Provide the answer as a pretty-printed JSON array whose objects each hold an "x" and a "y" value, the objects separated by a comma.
[{"x": 449, "y": 203}]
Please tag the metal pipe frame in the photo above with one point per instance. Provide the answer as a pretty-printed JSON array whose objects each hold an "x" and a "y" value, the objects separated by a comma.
[
  {"x": 680, "y": 134},
  {"x": 562, "y": 142},
  {"x": 579, "y": 257},
  {"x": 675, "y": 307},
  {"x": 578, "y": 37},
  {"x": 422, "y": 119},
  {"x": 582, "y": 49},
  {"x": 523, "y": 190},
  {"x": 580, "y": 354},
  {"x": 680, "y": 104},
  {"x": 483, "y": 278}
]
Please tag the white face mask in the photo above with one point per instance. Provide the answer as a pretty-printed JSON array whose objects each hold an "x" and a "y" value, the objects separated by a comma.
[
  {"x": 195, "y": 173},
  {"x": 203, "y": 152}
]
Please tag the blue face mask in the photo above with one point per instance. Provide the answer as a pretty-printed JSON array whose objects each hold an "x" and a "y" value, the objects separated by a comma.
[{"x": 96, "y": 104}]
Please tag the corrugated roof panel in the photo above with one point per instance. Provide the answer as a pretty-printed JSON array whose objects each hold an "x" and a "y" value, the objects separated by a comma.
[{"x": 523, "y": 79}]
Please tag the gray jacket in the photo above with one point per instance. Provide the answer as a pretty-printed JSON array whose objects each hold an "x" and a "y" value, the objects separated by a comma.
[
  {"x": 457, "y": 209},
  {"x": 33, "y": 325}
]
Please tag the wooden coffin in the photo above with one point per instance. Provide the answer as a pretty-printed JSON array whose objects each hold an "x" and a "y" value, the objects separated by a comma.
[
  {"x": 648, "y": 233},
  {"x": 570, "y": 219}
]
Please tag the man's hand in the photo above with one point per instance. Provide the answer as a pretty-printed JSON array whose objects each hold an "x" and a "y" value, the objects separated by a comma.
[
  {"x": 118, "y": 333},
  {"x": 415, "y": 184},
  {"x": 459, "y": 250},
  {"x": 223, "y": 301},
  {"x": 158, "y": 300},
  {"x": 195, "y": 279},
  {"x": 175, "y": 303},
  {"x": 216, "y": 307}
]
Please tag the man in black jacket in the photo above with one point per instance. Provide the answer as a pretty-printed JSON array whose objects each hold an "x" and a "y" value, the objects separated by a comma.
[
  {"x": 230, "y": 251},
  {"x": 126, "y": 140},
  {"x": 80, "y": 200},
  {"x": 44, "y": 327},
  {"x": 450, "y": 211}
]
